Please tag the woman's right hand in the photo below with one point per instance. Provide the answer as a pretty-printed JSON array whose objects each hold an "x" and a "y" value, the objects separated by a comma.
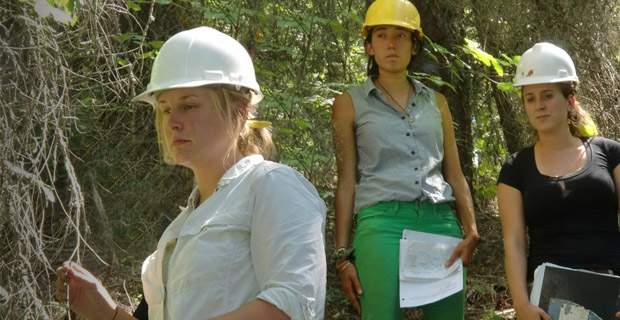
[
  {"x": 529, "y": 311},
  {"x": 351, "y": 285},
  {"x": 87, "y": 296}
]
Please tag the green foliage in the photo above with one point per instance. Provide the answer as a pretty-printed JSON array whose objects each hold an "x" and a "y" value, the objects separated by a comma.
[
  {"x": 69, "y": 123},
  {"x": 473, "y": 48}
]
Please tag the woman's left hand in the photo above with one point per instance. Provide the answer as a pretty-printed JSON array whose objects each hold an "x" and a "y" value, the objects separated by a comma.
[{"x": 464, "y": 250}]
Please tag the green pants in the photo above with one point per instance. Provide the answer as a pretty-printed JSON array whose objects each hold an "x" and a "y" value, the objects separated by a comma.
[{"x": 379, "y": 230}]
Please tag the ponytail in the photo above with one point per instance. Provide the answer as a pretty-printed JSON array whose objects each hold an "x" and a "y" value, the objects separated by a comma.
[{"x": 579, "y": 121}]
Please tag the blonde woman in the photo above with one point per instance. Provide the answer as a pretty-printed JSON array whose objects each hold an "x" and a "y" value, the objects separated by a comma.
[{"x": 250, "y": 243}]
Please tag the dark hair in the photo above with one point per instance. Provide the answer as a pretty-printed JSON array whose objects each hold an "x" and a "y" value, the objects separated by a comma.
[{"x": 372, "y": 69}]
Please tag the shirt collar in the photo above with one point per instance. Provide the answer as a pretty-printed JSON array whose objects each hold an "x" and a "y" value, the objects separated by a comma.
[
  {"x": 425, "y": 91},
  {"x": 236, "y": 170}
]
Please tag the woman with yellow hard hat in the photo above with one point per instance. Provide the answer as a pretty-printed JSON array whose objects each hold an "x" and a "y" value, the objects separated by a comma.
[
  {"x": 564, "y": 190},
  {"x": 398, "y": 168},
  {"x": 250, "y": 243}
]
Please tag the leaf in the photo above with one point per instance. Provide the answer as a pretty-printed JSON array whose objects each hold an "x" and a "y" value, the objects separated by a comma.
[
  {"x": 286, "y": 23},
  {"x": 510, "y": 60},
  {"x": 506, "y": 86},
  {"x": 473, "y": 49},
  {"x": 433, "y": 56},
  {"x": 146, "y": 55},
  {"x": 133, "y": 6},
  {"x": 156, "y": 44},
  {"x": 303, "y": 124},
  {"x": 440, "y": 48},
  {"x": 44, "y": 9},
  {"x": 286, "y": 130},
  {"x": 213, "y": 15},
  {"x": 498, "y": 68},
  {"x": 335, "y": 26}
]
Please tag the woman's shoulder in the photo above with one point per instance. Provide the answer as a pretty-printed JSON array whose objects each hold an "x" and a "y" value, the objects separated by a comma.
[
  {"x": 267, "y": 166},
  {"x": 280, "y": 173},
  {"x": 609, "y": 147},
  {"x": 343, "y": 99},
  {"x": 422, "y": 88},
  {"x": 517, "y": 167},
  {"x": 603, "y": 142},
  {"x": 285, "y": 182},
  {"x": 360, "y": 88},
  {"x": 520, "y": 156}
]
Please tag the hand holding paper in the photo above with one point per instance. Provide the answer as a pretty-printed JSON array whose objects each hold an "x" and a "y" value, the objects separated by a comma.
[{"x": 423, "y": 275}]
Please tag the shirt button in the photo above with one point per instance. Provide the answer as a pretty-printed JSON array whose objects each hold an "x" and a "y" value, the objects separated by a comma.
[
  {"x": 408, "y": 134},
  {"x": 416, "y": 169},
  {"x": 403, "y": 117},
  {"x": 412, "y": 152},
  {"x": 413, "y": 104},
  {"x": 416, "y": 182}
]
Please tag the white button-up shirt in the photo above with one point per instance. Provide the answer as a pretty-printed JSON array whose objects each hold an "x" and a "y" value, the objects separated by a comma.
[{"x": 260, "y": 235}]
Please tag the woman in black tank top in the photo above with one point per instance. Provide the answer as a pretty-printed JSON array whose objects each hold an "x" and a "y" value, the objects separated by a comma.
[{"x": 564, "y": 189}]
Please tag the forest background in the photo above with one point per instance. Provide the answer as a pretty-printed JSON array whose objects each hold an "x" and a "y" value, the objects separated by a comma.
[{"x": 80, "y": 173}]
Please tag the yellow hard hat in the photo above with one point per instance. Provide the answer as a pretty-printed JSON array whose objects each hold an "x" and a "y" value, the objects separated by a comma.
[{"x": 400, "y": 13}]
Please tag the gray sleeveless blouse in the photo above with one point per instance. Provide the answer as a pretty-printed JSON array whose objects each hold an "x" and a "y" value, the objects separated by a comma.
[{"x": 398, "y": 158}]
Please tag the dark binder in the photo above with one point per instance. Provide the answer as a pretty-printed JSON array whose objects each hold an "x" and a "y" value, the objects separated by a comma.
[{"x": 566, "y": 293}]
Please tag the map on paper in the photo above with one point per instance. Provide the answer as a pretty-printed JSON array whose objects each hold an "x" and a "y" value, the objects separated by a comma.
[
  {"x": 427, "y": 261},
  {"x": 423, "y": 276}
]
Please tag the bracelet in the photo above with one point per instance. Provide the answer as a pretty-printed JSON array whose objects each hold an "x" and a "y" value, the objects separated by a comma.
[
  {"x": 340, "y": 268},
  {"x": 115, "y": 312},
  {"x": 338, "y": 257},
  {"x": 340, "y": 262}
]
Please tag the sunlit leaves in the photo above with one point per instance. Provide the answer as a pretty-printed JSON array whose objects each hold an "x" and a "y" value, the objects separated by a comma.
[
  {"x": 506, "y": 86},
  {"x": 473, "y": 48}
]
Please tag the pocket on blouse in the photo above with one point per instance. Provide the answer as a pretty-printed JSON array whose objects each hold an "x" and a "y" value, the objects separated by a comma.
[{"x": 205, "y": 256}]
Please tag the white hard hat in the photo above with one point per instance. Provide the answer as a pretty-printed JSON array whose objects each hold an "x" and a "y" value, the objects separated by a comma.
[
  {"x": 198, "y": 57},
  {"x": 545, "y": 63}
]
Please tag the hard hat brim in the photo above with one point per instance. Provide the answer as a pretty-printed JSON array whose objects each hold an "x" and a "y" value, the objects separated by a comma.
[
  {"x": 149, "y": 96},
  {"x": 366, "y": 28},
  {"x": 544, "y": 79}
]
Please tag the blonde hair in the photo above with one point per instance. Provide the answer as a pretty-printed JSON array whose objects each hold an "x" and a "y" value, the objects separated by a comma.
[
  {"x": 231, "y": 105},
  {"x": 579, "y": 121}
]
